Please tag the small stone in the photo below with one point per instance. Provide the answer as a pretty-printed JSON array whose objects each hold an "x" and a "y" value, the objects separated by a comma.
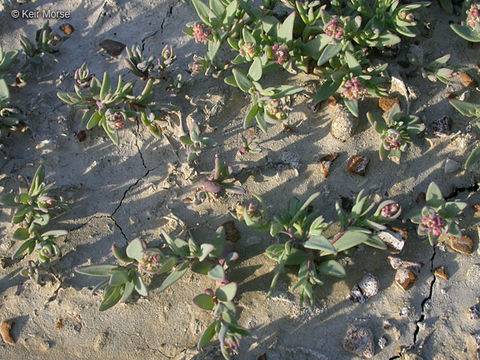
[
  {"x": 365, "y": 289},
  {"x": 396, "y": 263},
  {"x": 59, "y": 324},
  {"x": 112, "y": 47},
  {"x": 343, "y": 123},
  {"x": 404, "y": 278},
  {"x": 440, "y": 271},
  {"x": 359, "y": 341},
  {"x": 462, "y": 244},
  {"x": 231, "y": 232},
  {"x": 386, "y": 104},
  {"x": 395, "y": 241},
  {"x": 476, "y": 208},
  {"x": 325, "y": 163},
  {"x": 5, "y": 328},
  {"x": 357, "y": 165},
  {"x": 441, "y": 126},
  {"x": 67, "y": 29},
  {"x": 81, "y": 135},
  {"x": 474, "y": 310},
  {"x": 382, "y": 342},
  {"x": 451, "y": 166},
  {"x": 467, "y": 80}
]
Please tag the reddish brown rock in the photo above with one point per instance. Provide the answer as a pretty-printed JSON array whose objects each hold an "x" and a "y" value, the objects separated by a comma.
[
  {"x": 404, "y": 278},
  {"x": 332, "y": 101},
  {"x": 462, "y": 244},
  {"x": 357, "y": 165},
  {"x": 386, "y": 104},
  {"x": 81, "y": 135},
  {"x": 359, "y": 341},
  {"x": 467, "y": 80},
  {"x": 5, "y": 328},
  {"x": 325, "y": 163},
  {"x": 441, "y": 272},
  {"x": 67, "y": 29}
]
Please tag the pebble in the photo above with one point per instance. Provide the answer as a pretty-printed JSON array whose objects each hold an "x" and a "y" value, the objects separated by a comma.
[
  {"x": 357, "y": 165},
  {"x": 451, "y": 166},
  {"x": 474, "y": 310},
  {"x": 405, "y": 278},
  {"x": 67, "y": 29},
  {"x": 365, "y": 289},
  {"x": 359, "y": 341},
  {"x": 5, "y": 328},
  {"x": 325, "y": 163},
  {"x": 343, "y": 124},
  {"x": 382, "y": 342},
  {"x": 395, "y": 241},
  {"x": 231, "y": 232},
  {"x": 112, "y": 47},
  {"x": 396, "y": 263},
  {"x": 441, "y": 126},
  {"x": 441, "y": 272},
  {"x": 467, "y": 80},
  {"x": 387, "y": 103},
  {"x": 462, "y": 244}
]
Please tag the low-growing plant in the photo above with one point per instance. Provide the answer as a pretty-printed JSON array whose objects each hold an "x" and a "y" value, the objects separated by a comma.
[
  {"x": 217, "y": 183},
  {"x": 473, "y": 111},
  {"x": 33, "y": 213},
  {"x": 438, "y": 216},
  {"x": 212, "y": 259},
  {"x": 435, "y": 70},
  {"x": 194, "y": 142},
  {"x": 250, "y": 145},
  {"x": 142, "y": 66},
  {"x": 6, "y": 59},
  {"x": 108, "y": 107},
  {"x": 306, "y": 241},
  {"x": 470, "y": 28},
  {"x": 396, "y": 131}
]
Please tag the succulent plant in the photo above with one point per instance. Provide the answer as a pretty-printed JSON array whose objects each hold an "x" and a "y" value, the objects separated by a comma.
[
  {"x": 396, "y": 131},
  {"x": 46, "y": 41},
  {"x": 470, "y": 29},
  {"x": 250, "y": 145},
  {"x": 194, "y": 142},
  {"x": 137, "y": 63},
  {"x": 6, "y": 59},
  {"x": 438, "y": 216},
  {"x": 217, "y": 183},
  {"x": 473, "y": 111},
  {"x": 309, "y": 243}
]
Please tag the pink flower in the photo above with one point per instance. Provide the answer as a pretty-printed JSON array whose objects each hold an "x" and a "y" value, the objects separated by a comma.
[
  {"x": 406, "y": 16},
  {"x": 390, "y": 210},
  {"x": 393, "y": 141},
  {"x": 433, "y": 223},
  {"x": 353, "y": 89},
  {"x": 280, "y": 53},
  {"x": 201, "y": 33},
  {"x": 248, "y": 51},
  {"x": 473, "y": 16},
  {"x": 334, "y": 30}
]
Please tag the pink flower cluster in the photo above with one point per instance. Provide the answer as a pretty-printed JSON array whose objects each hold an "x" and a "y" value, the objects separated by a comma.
[
  {"x": 196, "y": 68},
  {"x": 201, "y": 32},
  {"x": 150, "y": 262},
  {"x": 353, "y": 89},
  {"x": 334, "y": 30},
  {"x": 393, "y": 141},
  {"x": 280, "y": 53},
  {"x": 473, "y": 16},
  {"x": 115, "y": 120},
  {"x": 274, "y": 110},
  {"x": 433, "y": 223},
  {"x": 248, "y": 51},
  {"x": 390, "y": 210},
  {"x": 405, "y": 15}
]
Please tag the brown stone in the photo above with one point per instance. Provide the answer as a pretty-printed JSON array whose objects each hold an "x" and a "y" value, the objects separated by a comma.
[
  {"x": 476, "y": 208},
  {"x": 5, "y": 328},
  {"x": 59, "y": 324},
  {"x": 359, "y": 341},
  {"x": 67, "y": 29},
  {"x": 386, "y": 104},
  {"x": 467, "y": 80},
  {"x": 112, "y": 47},
  {"x": 81, "y": 135},
  {"x": 441, "y": 272},
  {"x": 332, "y": 101},
  {"x": 462, "y": 244},
  {"x": 357, "y": 165},
  {"x": 326, "y": 162},
  {"x": 231, "y": 232},
  {"x": 404, "y": 278}
]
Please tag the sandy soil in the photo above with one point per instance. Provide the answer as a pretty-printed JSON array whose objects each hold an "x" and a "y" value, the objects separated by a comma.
[{"x": 119, "y": 193}]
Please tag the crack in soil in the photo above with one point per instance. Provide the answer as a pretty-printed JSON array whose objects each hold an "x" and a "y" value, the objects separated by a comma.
[{"x": 170, "y": 11}]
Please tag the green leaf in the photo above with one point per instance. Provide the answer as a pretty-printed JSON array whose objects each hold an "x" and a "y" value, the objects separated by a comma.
[
  {"x": 174, "y": 276},
  {"x": 54, "y": 233},
  {"x": 140, "y": 287},
  {"x": 329, "y": 52},
  {"x": 304, "y": 207},
  {"x": 106, "y": 87},
  {"x": 207, "y": 335},
  {"x": 434, "y": 196},
  {"x": 135, "y": 249},
  {"x": 320, "y": 242},
  {"x": 29, "y": 244},
  {"x": 8, "y": 200},
  {"x": 374, "y": 241},
  {"x": 466, "y": 32},
  {"x": 242, "y": 81},
  {"x": 262, "y": 124},
  {"x": 204, "y": 301},
  {"x": 250, "y": 116},
  {"x": 202, "y": 11},
  {"x": 352, "y": 106},
  {"x": 453, "y": 208},
  {"x": 21, "y": 234},
  {"x": 37, "y": 181},
  {"x": 350, "y": 239},
  {"x": 4, "y": 92},
  {"x": 127, "y": 291},
  {"x": 255, "y": 71},
  {"x": 331, "y": 268},
  {"x": 217, "y": 7},
  {"x": 93, "y": 120},
  {"x": 96, "y": 270},
  {"x": 112, "y": 134},
  {"x": 327, "y": 89},
  {"x": 227, "y": 292},
  {"x": 296, "y": 257},
  {"x": 119, "y": 277},
  {"x": 473, "y": 158},
  {"x": 201, "y": 267},
  {"x": 216, "y": 273},
  {"x": 352, "y": 63},
  {"x": 230, "y": 13},
  {"x": 315, "y": 46},
  {"x": 285, "y": 30},
  {"x": 112, "y": 297},
  {"x": 230, "y": 80}
]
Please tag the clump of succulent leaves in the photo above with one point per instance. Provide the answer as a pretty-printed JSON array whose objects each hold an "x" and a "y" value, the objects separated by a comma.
[
  {"x": 396, "y": 130},
  {"x": 142, "y": 66},
  {"x": 307, "y": 242},
  {"x": 194, "y": 142},
  {"x": 471, "y": 110},
  {"x": 212, "y": 259},
  {"x": 33, "y": 211},
  {"x": 470, "y": 28},
  {"x": 329, "y": 40},
  {"x": 434, "y": 70},
  {"x": 217, "y": 183},
  {"x": 110, "y": 107},
  {"x": 250, "y": 145},
  {"x": 438, "y": 216}
]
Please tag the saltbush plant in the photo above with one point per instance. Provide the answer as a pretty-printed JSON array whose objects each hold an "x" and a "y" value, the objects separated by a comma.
[
  {"x": 309, "y": 243},
  {"x": 396, "y": 131},
  {"x": 438, "y": 216},
  {"x": 470, "y": 28}
]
